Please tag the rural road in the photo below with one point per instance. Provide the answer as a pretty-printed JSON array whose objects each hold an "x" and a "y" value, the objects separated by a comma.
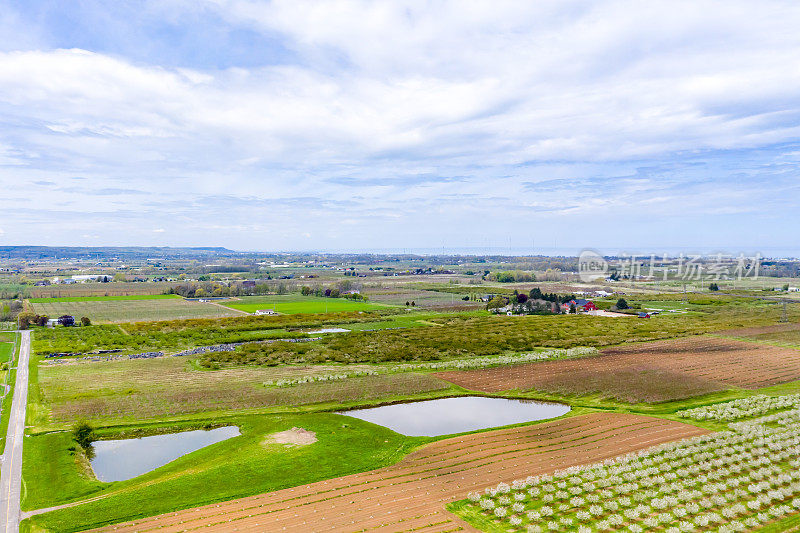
[{"x": 11, "y": 471}]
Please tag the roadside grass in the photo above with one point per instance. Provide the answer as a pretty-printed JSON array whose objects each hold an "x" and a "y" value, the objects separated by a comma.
[
  {"x": 295, "y": 304},
  {"x": 6, "y": 351},
  {"x": 9, "y": 378},
  {"x": 237, "y": 467},
  {"x": 114, "y": 309}
]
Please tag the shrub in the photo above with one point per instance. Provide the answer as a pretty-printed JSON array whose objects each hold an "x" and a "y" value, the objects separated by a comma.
[{"x": 83, "y": 433}]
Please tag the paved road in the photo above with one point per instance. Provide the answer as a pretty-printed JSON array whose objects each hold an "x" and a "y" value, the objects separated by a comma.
[{"x": 11, "y": 472}]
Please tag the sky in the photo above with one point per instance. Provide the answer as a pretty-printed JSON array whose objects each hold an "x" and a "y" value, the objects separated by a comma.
[{"x": 401, "y": 125}]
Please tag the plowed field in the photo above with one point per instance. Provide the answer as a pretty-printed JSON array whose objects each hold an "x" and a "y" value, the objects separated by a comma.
[
  {"x": 412, "y": 494},
  {"x": 650, "y": 372}
]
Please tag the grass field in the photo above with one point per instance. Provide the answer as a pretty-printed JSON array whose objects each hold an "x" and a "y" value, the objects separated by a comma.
[
  {"x": 154, "y": 388},
  {"x": 237, "y": 467},
  {"x": 295, "y": 303},
  {"x": 118, "y": 309},
  {"x": 6, "y": 349},
  {"x": 7, "y": 377}
]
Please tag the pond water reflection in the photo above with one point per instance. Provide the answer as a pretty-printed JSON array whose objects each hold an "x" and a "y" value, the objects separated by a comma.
[
  {"x": 118, "y": 460},
  {"x": 431, "y": 418}
]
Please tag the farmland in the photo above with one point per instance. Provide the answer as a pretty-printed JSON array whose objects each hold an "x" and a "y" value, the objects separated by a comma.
[
  {"x": 412, "y": 493},
  {"x": 131, "y": 390},
  {"x": 663, "y": 368},
  {"x": 781, "y": 334},
  {"x": 178, "y": 334},
  {"x": 713, "y": 481},
  {"x": 292, "y": 304},
  {"x": 466, "y": 335},
  {"x": 653, "y": 372},
  {"x": 98, "y": 290},
  {"x": 114, "y": 309}
]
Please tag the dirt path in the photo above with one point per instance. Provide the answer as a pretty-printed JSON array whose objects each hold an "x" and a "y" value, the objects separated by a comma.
[
  {"x": 230, "y": 308},
  {"x": 412, "y": 494}
]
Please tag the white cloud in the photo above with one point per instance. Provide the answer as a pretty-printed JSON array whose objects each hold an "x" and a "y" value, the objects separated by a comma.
[{"x": 393, "y": 95}]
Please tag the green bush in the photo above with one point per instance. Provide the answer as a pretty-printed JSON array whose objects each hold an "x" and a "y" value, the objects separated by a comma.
[{"x": 83, "y": 433}]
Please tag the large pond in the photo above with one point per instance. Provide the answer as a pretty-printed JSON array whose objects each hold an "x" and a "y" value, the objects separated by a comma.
[
  {"x": 118, "y": 460},
  {"x": 432, "y": 418}
]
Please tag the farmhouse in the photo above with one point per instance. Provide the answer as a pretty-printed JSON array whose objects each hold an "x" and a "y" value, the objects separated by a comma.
[
  {"x": 83, "y": 278},
  {"x": 644, "y": 315},
  {"x": 580, "y": 304},
  {"x": 585, "y": 305},
  {"x": 260, "y": 312}
]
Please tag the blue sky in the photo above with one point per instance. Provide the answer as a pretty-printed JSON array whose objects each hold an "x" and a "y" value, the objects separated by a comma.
[{"x": 354, "y": 125}]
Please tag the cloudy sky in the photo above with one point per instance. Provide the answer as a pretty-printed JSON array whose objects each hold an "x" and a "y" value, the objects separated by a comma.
[{"x": 348, "y": 125}]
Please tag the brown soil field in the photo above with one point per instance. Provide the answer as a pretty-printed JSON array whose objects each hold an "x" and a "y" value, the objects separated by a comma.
[
  {"x": 411, "y": 495},
  {"x": 649, "y": 372}
]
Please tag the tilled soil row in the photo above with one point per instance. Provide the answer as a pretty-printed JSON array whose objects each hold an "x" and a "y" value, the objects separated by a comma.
[
  {"x": 720, "y": 361},
  {"x": 411, "y": 495}
]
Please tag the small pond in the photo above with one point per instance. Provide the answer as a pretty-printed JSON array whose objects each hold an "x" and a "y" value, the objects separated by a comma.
[
  {"x": 431, "y": 418},
  {"x": 118, "y": 460}
]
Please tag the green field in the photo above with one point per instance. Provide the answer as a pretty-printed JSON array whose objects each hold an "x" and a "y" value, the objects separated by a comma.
[
  {"x": 6, "y": 349},
  {"x": 7, "y": 377},
  {"x": 141, "y": 389},
  {"x": 117, "y": 309},
  {"x": 237, "y": 467},
  {"x": 293, "y": 303}
]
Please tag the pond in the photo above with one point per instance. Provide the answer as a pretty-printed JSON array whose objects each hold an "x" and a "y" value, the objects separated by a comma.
[
  {"x": 431, "y": 418},
  {"x": 118, "y": 460}
]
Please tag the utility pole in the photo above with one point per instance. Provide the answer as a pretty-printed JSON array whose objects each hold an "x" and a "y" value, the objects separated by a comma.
[{"x": 784, "y": 316}]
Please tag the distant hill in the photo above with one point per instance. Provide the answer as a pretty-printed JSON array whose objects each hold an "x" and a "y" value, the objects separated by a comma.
[{"x": 111, "y": 252}]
